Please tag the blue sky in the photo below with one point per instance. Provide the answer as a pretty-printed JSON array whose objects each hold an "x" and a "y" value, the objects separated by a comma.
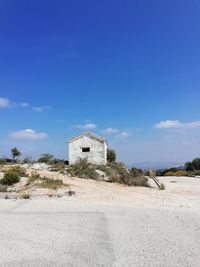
[{"x": 128, "y": 70}]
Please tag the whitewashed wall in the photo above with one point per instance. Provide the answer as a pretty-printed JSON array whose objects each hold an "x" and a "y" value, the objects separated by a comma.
[{"x": 97, "y": 154}]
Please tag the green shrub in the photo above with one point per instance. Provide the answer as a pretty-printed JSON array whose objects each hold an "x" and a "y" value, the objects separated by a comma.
[
  {"x": 25, "y": 196},
  {"x": 27, "y": 160},
  {"x": 194, "y": 173},
  {"x": 136, "y": 172},
  {"x": 162, "y": 186},
  {"x": 133, "y": 178},
  {"x": 181, "y": 173},
  {"x": 111, "y": 155},
  {"x": 51, "y": 184},
  {"x": 10, "y": 178},
  {"x": 193, "y": 165},
  {"x": 18, "y": 169},
  {"x": 176, "y": 173},
  {"x": 165, "y": 171},
  {"x": 118, "y": 168},
  {"x": 139, "y": 181},
  {"x": 33, "y": 177},
  {"x": 58, "y": 167},
  {"x": 46, "y": 158},
  {"x": 170, "y": 173},
  {"x": 83, "y": 169},
  {"x": 104, "y": 168},
  {"x": 2, "y": 161}
]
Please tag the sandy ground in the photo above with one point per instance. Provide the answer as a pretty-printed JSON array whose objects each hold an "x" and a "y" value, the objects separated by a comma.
[
  {"x": 180, "y": 193},
  {"x": 104, "y": 225}
]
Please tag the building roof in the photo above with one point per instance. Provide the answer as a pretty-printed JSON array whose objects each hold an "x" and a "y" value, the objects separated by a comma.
[{"x": 90, "y": 135}]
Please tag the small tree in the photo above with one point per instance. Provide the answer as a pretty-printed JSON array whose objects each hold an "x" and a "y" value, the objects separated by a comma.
[
  {"x": 46, "y": 158},
  {"x": 111, "y": 155},
  {"x": 15, "y": 153}
]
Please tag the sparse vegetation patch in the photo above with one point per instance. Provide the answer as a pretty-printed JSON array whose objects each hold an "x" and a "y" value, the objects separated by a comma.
[
  {"x": 83, "y": 169},
  {"x": 10, "y": 178},
  {"x": 51, "y": 184}
]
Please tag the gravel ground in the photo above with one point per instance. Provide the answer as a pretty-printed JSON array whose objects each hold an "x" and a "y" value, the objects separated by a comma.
[{"x": 130, "y": 227}]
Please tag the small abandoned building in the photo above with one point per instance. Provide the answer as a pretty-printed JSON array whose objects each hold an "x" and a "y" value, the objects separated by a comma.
[{"x": 88, "y": 146}]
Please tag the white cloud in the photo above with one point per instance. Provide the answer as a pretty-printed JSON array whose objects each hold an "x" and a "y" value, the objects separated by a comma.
[
  {"x": 124, "y": 134},
  {"x": 24, "y": 105},
  {"x": 41, "y": 109},
  {"x": 4, "y": 102},
  {"x": 176, "y": 124},
  {"x": 110, "y": 131},
  {"x": 87, "y": 126},
  {"x": 28, "y": 134}
]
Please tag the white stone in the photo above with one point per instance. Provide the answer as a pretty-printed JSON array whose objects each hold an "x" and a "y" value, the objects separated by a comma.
[{"x": 96, "y": 145}]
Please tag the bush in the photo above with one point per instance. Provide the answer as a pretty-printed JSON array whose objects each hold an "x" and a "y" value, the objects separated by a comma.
[
  {"x": 51, "y": 184},
  {"x": 130, "y": 180},
  {"x": 33, "y": 177},
  {"x": 162, "y": 186},
  {"x": 176, "y": 173},
  {"x": 138, "y": 181},
  {"x": 193, "y": 165},
  {"x": 136, "y": 172},
  {"x": 122, "y": 175},
  {"x": 111, "y": 155},
  {"x": 104, "y": 168},
  {"x": 27, "y": 160},
  {"x": 18, "y": 169},
  {"x": 25, "y": 196},
  {"x": 83, "y": 169},
  {"x": 181, "y": 173},
  {"x": 58, "y": 167},
  {"x": 46, "y": 158},
  {"x": 2, "y": 161},
  {"x": 170, "y": 173},
  {"x": 10, "y": 178},
  {"x": 194, "y": 173}
]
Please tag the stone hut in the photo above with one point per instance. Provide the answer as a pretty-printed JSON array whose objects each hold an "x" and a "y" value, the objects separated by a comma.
[{"x": 88, "y": 146}]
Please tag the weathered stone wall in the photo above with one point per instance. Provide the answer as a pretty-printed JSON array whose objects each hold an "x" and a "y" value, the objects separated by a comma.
[{"x": 97, "y": 154}]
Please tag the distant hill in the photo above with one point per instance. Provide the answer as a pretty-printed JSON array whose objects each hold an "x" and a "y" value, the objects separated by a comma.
[{"x": 156, "y": 165}]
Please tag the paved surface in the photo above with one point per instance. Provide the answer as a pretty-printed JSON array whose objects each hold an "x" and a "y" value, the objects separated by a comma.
[{"x": 57, "y": 232}]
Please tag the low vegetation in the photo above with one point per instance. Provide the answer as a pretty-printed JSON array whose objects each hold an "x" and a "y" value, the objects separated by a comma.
[
  {"x": 111, "y": 155},
  {"x": 178, "y": 173},
  {"x": 44, "y": 182},
  {"x": 25, "y": 196},
  {"x": 162, "y": 186},
  {"x": 191, "y": 168},
  {"x": 83, "y": 169},
  {"x": 51, "y": 184},
  {"x": 58, "y": 167},
  {"x": 10, "y": 178},
  {"x": 19, "y": 170},
  {"x": 33, "y": 177}
]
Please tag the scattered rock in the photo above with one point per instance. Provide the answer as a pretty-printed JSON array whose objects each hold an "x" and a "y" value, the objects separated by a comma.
[
  {"x": 102, "y": 176},
  {"x": 71, "y": 193},
  {"x": 40, "y": 167}
]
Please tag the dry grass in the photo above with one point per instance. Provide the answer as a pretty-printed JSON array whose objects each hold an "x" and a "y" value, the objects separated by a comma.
[{"x": 51, "y": 184}]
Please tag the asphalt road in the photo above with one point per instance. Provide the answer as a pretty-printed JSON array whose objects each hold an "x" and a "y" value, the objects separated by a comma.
[{"x": 57, "y": 232}]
